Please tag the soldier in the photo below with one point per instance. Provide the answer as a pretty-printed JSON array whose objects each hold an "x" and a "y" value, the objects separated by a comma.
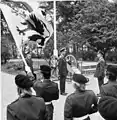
[
  {"x": 100, "y": 69},
  {"x": 62, "y": 67},
  {"x": 29, "y": 63},
  {"x": 47, "y": 89},
  {"x": 80, "y": 103},
  {"x": 27, "y": 106},
  {"x": 110, "y": 88}
]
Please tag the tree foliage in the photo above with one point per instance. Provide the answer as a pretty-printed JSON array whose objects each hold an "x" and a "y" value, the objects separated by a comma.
[{"x": 89, "y": 21}]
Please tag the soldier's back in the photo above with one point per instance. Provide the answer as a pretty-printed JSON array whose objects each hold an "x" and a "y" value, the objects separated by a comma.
[
  {"x": 27, "y": 108},
  {"x": 109, "y": 89}
]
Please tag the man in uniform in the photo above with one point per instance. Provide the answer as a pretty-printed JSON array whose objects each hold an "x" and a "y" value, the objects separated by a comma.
[
  {"x": 108, "y": 100},
  {"x": 110, "y": 88},
  {"x": 47, "y": 89},
  {"x": 62, "y": 67},
  {"x": 27, "y": 106},
  {"x": 100, "y": 70},
  {"x": 29, "y": 63},
  {"x": 80, "y": 103}
]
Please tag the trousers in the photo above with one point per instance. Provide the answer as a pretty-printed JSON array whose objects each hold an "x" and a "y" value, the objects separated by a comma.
[
  {"x": 62, "y": 83},
  {"x": 100, "y": 81}
]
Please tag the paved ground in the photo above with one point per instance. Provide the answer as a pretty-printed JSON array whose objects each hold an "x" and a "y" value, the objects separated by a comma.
[{"x": 9, "y": 94}]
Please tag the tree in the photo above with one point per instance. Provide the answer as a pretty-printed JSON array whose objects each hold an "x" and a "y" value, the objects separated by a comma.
[{"x": 92, "y": 22}]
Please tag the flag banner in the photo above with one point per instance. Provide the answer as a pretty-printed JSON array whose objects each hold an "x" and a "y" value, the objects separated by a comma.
[
  {"x": 27, "y": 26},
  {"x": 13, "y": 20}
]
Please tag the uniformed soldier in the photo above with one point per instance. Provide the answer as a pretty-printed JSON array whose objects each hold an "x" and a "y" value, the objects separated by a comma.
[
  {"x": 47, "y": 89},
  {"x": 30, "y": 64},
  {"x": 27, "y": 106},
  {"x": 108, "y": 101},
  {"x": 80, "y": 103},
  {"x": 62, "y": 67},
  {"x": 110, "y": 88},
  {"x": 100, "y": 69}
]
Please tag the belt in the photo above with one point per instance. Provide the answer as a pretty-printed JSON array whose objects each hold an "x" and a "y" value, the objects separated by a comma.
[
  {"x": 80, "y": 118},
  {"x": 48, "y": 103}
]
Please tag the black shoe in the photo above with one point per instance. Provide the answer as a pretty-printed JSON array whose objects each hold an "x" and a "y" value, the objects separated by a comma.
[{"x": 63, "y": 93}]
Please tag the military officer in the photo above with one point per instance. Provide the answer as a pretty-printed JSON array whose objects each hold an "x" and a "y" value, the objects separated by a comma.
[
  {"x": 110, "y": 88},
  {"x": 47, "y": 89},
  {"x": 30, "y": 64},
  {"x": 62, "y": 67},
  {"x": 80, "y": 103},
  {"x": 27, "y": 106},
  {"x": 100, "y": 70}
]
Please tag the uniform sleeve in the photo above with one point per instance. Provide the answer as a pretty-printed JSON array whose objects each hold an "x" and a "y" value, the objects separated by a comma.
[
  {"x": 68, "y": 110},
  {"x": 94, "y": 107},
  {"x": 38, "y": 89},
  {"x": 10, "y": 114}
]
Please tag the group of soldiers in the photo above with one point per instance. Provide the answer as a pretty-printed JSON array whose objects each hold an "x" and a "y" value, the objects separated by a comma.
[{"x": 79, "y": 105}]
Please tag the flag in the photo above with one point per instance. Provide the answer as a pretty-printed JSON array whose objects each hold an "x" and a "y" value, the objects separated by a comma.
[
  {"x": 34, "y": 27},
  {"x": 40, "y": 30}
]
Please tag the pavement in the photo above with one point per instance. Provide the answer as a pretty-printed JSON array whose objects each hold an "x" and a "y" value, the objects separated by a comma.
[{"x": 9, "y": 94}]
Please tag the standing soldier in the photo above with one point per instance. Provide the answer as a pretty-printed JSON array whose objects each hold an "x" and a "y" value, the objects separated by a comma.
[
  {"x": 47, "y": 89},
  {"x": 29, "y": 63},
  {"x": 82, "y": 102},
  {"x": 62, "y": 67},
  {"x": 100, "y": 70},
  {"x": 27, "y": 106}
]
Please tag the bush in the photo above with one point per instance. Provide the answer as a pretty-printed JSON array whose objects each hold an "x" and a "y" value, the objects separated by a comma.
[
  {"x": 88, "y": 55},
  {"x": 4, "y": 57},
  {"x": 15, "y": 66},
  {"x": 111, "y": 56}
]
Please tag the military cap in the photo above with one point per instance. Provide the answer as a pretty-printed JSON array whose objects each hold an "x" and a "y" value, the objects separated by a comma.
[
  {"x": 23, "y": 81},
  {"x": 45, "y": 68},
  {"x": 112, "y": 69},
  {"x": 79, "y": 78}
]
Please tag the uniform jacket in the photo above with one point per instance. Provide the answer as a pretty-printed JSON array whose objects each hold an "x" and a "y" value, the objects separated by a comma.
[
  {"x": 47, "y": 89},
  {"x": 108, "y": 107},
  {"x": 79, "y": 104},
  {"x": 109, "y": 89},
  {"x": 100, "y": 68},
  {"x": 27, "y": 108},
  {"x": 62, "y": 67}
]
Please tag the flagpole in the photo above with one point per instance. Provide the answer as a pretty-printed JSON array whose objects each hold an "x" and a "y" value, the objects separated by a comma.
[{"x": 55, "y": 51}]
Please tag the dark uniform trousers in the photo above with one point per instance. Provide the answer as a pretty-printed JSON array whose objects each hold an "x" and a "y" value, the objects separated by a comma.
[
  {"x": 27, "y": 108},
  {"x": 62, "y": 66},
  {"x": 49, "y": 91},
  {"x": 62, "y": 83}
]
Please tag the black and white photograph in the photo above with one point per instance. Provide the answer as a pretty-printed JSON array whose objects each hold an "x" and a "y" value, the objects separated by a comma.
[{"x": 58, "y": 59}]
